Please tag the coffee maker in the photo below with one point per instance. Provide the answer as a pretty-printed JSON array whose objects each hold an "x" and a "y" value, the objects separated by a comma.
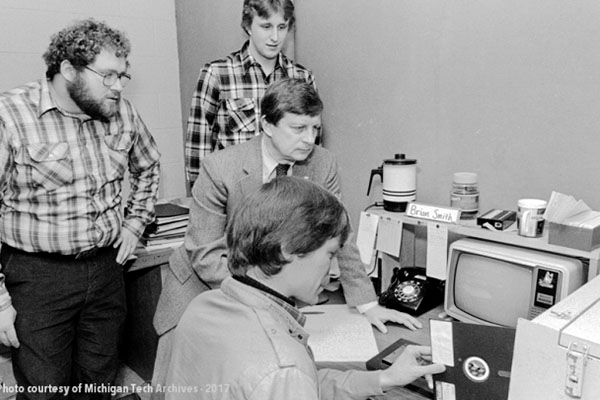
[{"x": 399, "y": 180}]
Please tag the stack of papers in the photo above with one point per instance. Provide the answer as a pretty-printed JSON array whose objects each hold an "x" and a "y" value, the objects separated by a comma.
[{"x": 339, "y": 334}]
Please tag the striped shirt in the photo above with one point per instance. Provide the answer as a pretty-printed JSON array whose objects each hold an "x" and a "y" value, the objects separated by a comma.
[
  {"x": 226, "y": 103},
  {"x": 61, "y": 174}
]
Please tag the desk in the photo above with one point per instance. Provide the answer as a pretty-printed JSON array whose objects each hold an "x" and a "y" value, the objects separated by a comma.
[
  {"x": 395, "y": 332},
  {"x": 420, "y": 336},
  {"x": 149, "y": 259},
  {"x": 143, "y": 284}
]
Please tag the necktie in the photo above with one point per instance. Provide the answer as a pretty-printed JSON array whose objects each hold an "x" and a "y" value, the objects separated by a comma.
[{"x": 281, "y": 169}]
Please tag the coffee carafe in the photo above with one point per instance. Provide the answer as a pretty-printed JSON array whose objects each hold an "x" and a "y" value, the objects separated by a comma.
[{"x": 399, "y": 181}]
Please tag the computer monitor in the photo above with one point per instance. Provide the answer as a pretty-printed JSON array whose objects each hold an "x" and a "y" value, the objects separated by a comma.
[{"x": 496, "y": 284}]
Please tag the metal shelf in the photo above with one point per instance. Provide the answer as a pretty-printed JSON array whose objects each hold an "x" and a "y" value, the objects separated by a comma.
[{"x": 469, "y": 228}]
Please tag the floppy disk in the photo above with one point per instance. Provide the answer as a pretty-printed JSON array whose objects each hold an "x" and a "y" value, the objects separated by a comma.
[
  {"x": 478, "y": 359},
  {"x": 387, "y": 357}
]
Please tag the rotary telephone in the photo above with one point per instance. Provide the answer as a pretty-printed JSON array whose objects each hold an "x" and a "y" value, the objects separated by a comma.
[{"x": 412, "y": 291}]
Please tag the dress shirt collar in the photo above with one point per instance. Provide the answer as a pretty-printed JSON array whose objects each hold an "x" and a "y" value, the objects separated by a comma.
[
  {"x": 47, "y": 103},
  {"x": 269, "y": 163}
]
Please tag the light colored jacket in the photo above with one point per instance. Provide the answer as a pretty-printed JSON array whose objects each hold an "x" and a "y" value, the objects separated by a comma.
[
  {"x": 226, "y": 178},
  {"x": 237, "y": 343}
]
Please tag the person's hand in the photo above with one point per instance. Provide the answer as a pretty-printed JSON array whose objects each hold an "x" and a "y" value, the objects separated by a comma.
[
  {"x": 410, "y": 365},
  {"x": 379, "y": 315},
  {"x": 8, "y": 335},
  {"x": 127, "y": 242}
]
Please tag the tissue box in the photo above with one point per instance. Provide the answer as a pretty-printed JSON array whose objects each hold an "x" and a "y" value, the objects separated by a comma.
[{"x": 581, "y": 231}]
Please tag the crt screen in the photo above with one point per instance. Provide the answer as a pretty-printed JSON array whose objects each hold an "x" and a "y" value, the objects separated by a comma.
[{"x": 493, "y": 290}]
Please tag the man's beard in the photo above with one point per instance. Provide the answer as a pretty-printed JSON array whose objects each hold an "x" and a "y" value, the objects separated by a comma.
[{"x": 96, "y": 109}]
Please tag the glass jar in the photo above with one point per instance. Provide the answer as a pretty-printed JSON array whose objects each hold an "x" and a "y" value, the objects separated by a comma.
[{"x": 465, "y": 194}]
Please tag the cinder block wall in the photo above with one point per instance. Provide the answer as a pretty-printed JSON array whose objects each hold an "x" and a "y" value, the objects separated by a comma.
[{"x": 26, "y": 29}]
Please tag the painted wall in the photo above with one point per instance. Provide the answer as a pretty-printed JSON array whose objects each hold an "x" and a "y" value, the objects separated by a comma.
[
  {"x": 505, "y": 88},
  {"x": 154, "y": 89},
  {"x": 206, "y": 30},
  {"x": 509, "y": 89}
]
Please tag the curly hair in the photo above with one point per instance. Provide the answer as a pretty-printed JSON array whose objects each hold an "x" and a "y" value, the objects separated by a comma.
[{"x": 81, "y": 42}]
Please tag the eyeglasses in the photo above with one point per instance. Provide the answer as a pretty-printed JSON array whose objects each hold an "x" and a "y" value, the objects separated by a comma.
[{"x": 110, "y": 79}]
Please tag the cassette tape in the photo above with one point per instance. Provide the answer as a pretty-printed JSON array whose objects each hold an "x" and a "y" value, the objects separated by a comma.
[{"x": 497, "y": 219}]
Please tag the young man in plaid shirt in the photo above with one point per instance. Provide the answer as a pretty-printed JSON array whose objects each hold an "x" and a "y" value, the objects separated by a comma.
[{"x": 226, "y": 103}]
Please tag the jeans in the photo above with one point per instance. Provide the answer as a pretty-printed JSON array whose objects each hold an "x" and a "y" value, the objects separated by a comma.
[{"x": 70, "y": 313}]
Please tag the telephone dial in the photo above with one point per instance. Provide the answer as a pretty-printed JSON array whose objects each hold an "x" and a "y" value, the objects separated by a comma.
[{"x": 412, "y": 291}]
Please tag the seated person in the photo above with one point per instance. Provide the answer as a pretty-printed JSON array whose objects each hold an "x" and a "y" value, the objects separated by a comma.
[
  {"x": 247, "y": 338},
  {"x": 291, "y": 118}
]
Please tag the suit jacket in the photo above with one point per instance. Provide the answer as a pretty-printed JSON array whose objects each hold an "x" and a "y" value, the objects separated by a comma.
[{"x": 225, "y": 179}]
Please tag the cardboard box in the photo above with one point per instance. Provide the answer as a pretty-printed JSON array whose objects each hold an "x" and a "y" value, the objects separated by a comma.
[
  {"x": 557, "y": 354},
  {"x": 576, "y": 237}
]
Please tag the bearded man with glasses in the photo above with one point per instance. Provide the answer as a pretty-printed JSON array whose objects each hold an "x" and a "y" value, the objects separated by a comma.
[{"x": 65, "y": 144}]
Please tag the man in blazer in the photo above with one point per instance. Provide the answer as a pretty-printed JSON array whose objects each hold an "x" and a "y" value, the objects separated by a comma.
[{"x": 290, "y": 120}]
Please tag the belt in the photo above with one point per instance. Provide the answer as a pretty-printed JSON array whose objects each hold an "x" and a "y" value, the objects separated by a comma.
[{"x": 83, "y": 255}]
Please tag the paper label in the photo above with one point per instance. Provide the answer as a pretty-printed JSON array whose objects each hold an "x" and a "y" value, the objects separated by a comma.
[
  {"x": 444, "y": 391},
  {"x": 365, "y": 237},
  {"x": 389, "y": 236},
  {"x": 434, "y": 213},
  {"x": 442, "y": 342},
  {"x": 437, "y": 250}
]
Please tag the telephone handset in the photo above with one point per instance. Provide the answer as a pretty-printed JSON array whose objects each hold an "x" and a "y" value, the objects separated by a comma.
[{"x": 412, "y": 291}]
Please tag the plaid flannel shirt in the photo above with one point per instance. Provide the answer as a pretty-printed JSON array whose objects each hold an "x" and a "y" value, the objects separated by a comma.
[
  {"x": 61, "y": 175},
  {"x": 226, "y": 103}
]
